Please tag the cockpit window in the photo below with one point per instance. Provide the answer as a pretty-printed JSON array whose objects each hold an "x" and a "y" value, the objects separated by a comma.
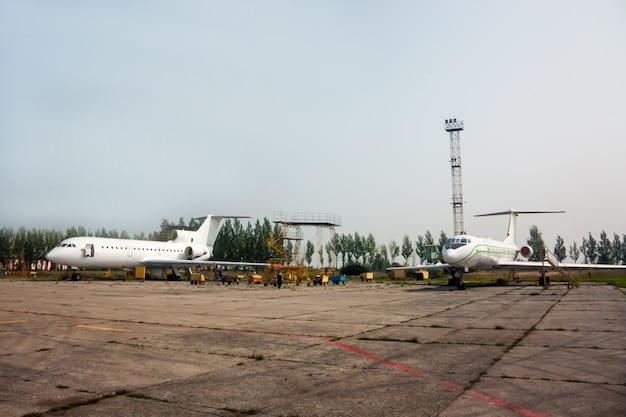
[{"x": 456, "y": 242}]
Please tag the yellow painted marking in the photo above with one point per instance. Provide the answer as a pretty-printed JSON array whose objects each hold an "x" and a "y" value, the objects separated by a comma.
[
  {"x": 13, "y": 321},
  {"x": 113, "y": 329}
]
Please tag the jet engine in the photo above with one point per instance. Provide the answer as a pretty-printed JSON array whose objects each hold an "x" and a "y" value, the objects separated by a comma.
[
  {"x": 182, "y": 236},
  {"x": 193, "y": 252},
  {"x": 526, "y": 251}
]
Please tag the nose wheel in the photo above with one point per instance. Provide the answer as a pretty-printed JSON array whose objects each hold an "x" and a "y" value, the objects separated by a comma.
[{"x": 456, "y": 279}]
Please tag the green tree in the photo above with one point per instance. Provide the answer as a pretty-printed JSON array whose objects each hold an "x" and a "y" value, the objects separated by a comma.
[
  {"x": 329, "y": 253},
  {"x": 617, "y": 249},
  {"x": 589, "y": 248},
  {"x": 369, "y": 249},
  {"x": 420, "y": 247},
  {"x": 348, "y": 242},
  {"x": 574, "y": 252},
  {"x": 310, "y": 250},
  {"x": 194, "y": 223},
  {"x": 52, "y": 238},
  {"x": 428, "y": 238},
  {"x": 21, "y": 246},
  {"x": 358, "y": 247},
  {"x": 39, "y": 246},
  {"x": 442, "y": 241},
  {"x": 394, "y": 250},
  {"x": 535, "y": 241},
  {"x": 7, "y": 245},
  {"x": 605, "y": 252},
  {"x": 331, "y": 249},
  {"x": 381, "y": 261},
  {"x": 341, "y": 248},
  {"x": 407, "y": 248},
  {"x": 559, "y": 249}
]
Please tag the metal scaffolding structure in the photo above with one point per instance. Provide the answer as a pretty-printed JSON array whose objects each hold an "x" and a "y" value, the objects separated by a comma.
[
  {"x": 292, "y": 226},
  {"x": 455, "y": 127}
]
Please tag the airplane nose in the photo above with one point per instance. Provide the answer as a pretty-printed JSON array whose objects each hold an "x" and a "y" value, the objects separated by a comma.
[
  {"x": 52, "y": 256},
  {"x": 450, "y": 256}
]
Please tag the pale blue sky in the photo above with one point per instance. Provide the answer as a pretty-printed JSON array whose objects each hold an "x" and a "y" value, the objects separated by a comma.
[{"x": 118, "y": 114}]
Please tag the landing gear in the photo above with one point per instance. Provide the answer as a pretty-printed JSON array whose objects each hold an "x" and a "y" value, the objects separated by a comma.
[
  {"x": 76, "y": 276},
  {"x": 456, "y": 280}
]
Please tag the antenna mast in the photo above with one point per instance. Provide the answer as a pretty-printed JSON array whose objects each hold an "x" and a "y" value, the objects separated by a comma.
[{"x": 455, "y": 129}]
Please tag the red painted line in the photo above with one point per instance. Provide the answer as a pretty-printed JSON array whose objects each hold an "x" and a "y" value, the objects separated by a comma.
[
  {"x": 403, "y": 367},
  {"x": 359, "y": 351},
  {"x": 450, "y": 385}
]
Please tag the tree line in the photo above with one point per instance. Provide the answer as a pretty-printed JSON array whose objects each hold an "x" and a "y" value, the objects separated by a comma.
[{"x": 262, "y": 241}]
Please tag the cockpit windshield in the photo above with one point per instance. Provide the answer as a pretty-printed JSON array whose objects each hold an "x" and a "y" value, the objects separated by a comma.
[
  {"x": 457, "y": 242},
  {"x": 66, "y": 245}
]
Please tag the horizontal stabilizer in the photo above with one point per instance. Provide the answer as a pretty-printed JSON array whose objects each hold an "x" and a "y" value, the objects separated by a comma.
[{"x": 513, "y": 211}]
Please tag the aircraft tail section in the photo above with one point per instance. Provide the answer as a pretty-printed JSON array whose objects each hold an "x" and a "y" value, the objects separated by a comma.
[
  {"x": 510, "y": 236},
  {"x": 207, "y": 233}
]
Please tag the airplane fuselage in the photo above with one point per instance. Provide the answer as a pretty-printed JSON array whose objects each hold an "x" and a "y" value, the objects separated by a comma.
[
  {"x": 97, "y": 252},
  {"x": 467, "y": 251}
]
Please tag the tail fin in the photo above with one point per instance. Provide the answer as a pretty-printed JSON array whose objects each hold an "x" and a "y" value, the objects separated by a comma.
[
  {"x": 510, "y": 236},
  {"x": 207, "y": 233}
]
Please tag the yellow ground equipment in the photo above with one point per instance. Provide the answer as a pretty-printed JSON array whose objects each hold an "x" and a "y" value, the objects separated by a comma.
[
  {"x": 138, "y": 273},
  {"x": 197, "y": 279}
]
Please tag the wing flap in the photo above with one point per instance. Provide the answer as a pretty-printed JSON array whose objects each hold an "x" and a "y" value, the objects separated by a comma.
[
  {"x": 184, "y": 263},
  {"x": 416, "y": 267},
  {"x": 538, "y": 265}
]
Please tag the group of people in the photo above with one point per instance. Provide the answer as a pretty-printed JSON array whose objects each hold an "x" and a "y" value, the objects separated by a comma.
[{"x": 217, "y": 276}]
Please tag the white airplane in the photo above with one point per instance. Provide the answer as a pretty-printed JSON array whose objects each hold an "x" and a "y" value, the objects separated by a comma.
[
  {"x": 186, "y": 250},
  {"x": 463, "y": 252}
]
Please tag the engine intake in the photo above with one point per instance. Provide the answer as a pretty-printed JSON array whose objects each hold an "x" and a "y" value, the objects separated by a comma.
[
  {"x": 526, "y": 251},
  {"x": 193, "y": 252}
]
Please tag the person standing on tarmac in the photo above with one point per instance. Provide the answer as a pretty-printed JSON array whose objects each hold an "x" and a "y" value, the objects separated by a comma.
[{"x": 279, "y": 279}]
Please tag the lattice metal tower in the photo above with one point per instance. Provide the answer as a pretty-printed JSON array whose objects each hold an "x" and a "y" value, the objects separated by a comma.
[
  {"x": 455, "y": 129},
  {"x": 320, "y": 220}
]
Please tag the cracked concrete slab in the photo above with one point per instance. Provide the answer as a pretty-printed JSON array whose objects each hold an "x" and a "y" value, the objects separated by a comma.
[{"x": 98, "y": 348}]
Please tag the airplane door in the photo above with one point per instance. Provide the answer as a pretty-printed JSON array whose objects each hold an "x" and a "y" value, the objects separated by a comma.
[
  {"x": 129, "y": 250},
  {"x": 89, "y": 250}
]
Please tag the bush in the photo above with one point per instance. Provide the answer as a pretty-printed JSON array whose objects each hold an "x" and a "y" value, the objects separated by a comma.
[{"x": 353, "y": 269}]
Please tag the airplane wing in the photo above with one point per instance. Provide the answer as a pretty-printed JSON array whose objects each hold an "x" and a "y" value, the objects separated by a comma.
[
  {"x": 416, "y": 267},
  {"x": 537, "y": 265},
  {"x": 183, "y": 263}
]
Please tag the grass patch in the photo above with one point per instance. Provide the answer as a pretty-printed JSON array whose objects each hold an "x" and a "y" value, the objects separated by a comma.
[{"x": 60, "y": 386}]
